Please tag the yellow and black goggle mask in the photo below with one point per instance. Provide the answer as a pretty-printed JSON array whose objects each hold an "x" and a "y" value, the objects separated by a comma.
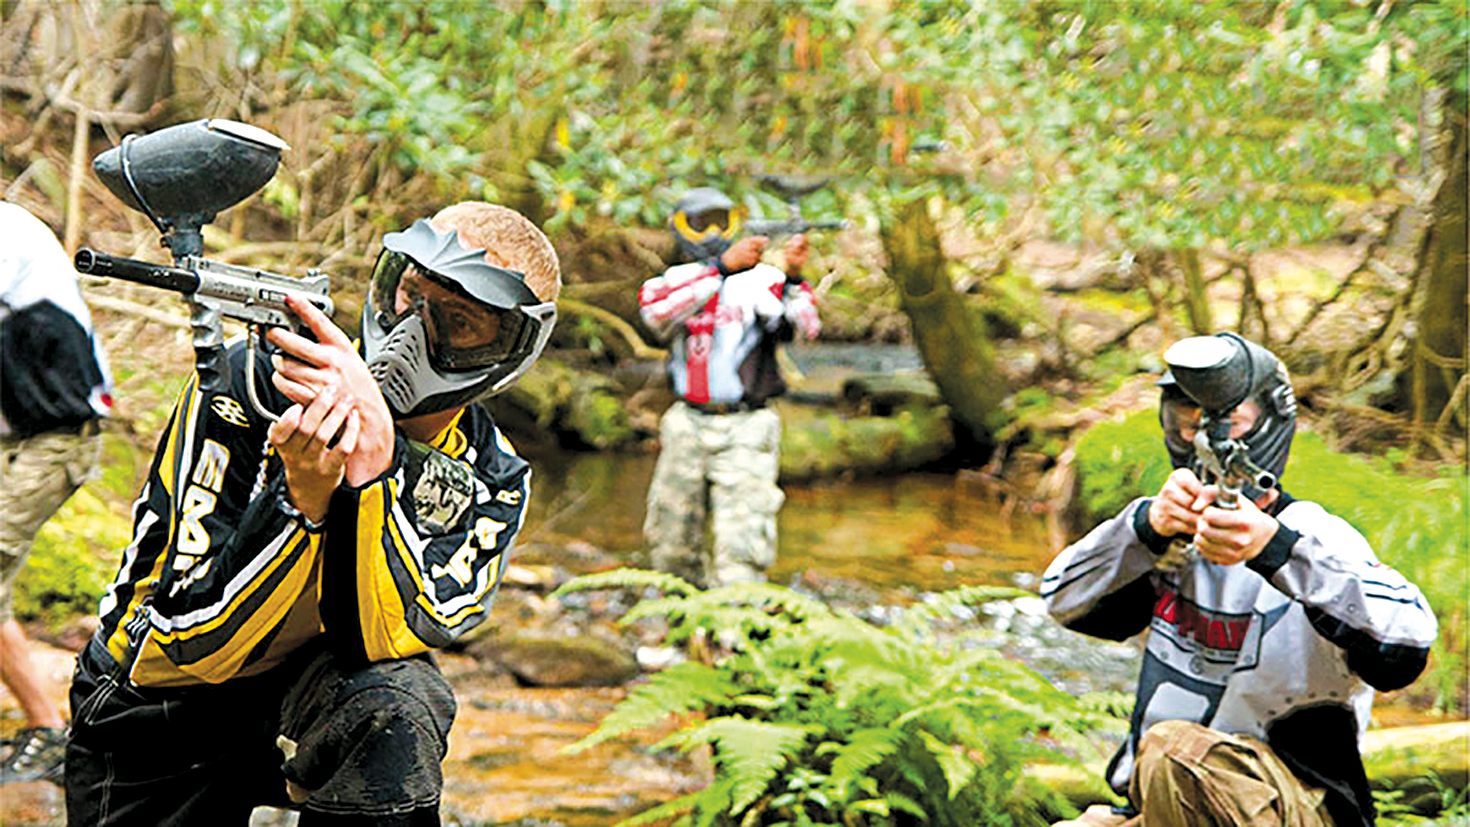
[{"x": 707, "y": 225}]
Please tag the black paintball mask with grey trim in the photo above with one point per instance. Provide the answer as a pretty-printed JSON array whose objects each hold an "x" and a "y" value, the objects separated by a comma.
[
  {"x": 1216, "y": 374},
  {"x": 422, "y": 368}
]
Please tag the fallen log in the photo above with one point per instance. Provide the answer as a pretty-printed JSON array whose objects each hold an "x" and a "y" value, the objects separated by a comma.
[{"x": 1398, "y": 758}]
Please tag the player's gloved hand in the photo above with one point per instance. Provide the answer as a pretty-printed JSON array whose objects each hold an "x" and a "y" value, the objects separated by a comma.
[{"x": 743, "y": 254}]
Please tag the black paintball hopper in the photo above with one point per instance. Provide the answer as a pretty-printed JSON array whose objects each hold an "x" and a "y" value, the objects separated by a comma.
[
  {"x": 182, "y": 175},
  {"x": 793, "y": 187},
  {"x": 1215, "y": 371}
]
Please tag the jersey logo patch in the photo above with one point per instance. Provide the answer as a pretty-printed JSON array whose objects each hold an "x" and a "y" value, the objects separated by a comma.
[
  {"x": 444, "y": 491},
  {"x": 230, "y": 411}
]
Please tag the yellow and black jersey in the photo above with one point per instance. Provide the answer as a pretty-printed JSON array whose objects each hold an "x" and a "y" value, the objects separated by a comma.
[{"x": 224, "y": 577}]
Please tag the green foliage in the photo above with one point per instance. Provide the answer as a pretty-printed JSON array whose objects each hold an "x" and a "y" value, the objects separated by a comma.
[
  {"x": 1416, "y": 524},
  {"x": 1117, "y": 461},
  {"x": 814, "y": 716},
  {"x": 1170, "y": 125},
  {"x": 826, "y": 444},
  {"x": 1404, "y": 804},
  {"x": 1176, "y": 125}
]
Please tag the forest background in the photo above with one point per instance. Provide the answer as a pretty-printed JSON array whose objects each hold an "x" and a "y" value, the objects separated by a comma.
[{"x": 1039, "y": 197}]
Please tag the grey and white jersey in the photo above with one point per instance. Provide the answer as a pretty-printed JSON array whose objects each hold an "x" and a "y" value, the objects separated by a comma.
[{"x": 1288, "y": 647}]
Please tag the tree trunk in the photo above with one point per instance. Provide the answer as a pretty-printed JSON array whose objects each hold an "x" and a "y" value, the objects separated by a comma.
[
  {"x": 950, "y": 337},
  {"x": 1196, "y": 302},
  {"x": 1438, "y": 360}
]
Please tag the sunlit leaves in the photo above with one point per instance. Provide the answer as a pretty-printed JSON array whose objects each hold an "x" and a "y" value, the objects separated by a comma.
[{"x": 1149, "y": 123}]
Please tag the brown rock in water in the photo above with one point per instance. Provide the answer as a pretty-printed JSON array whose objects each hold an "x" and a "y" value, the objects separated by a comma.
[{"x": 546, "y": 660}]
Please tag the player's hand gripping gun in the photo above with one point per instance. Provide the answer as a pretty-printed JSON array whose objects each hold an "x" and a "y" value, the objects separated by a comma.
[{"x": 180, "y": 177}]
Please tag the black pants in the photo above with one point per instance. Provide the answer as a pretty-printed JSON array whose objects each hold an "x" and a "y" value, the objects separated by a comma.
[{"x": 369, "y": 742}]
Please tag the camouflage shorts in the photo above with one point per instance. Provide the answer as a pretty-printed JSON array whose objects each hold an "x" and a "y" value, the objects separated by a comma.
[
  {"x": 721, "y": 468},
  {"x": 37, "y": 475},
  {"x": 1190, "y": 774}
]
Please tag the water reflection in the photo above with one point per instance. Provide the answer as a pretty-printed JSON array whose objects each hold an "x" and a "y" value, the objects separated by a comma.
[{"x": 895, "y": 535}]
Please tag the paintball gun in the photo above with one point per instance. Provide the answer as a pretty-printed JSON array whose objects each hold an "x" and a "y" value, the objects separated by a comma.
[
  {"x": 791, "y": 190},
  {"x": 1208, "y": 369},
  {"x": 180, "y": 177}
]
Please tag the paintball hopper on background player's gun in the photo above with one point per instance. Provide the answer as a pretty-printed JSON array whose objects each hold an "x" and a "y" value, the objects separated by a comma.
[
  {"x": 181, "y": 177},
  {"x": 791, "y": 190}
]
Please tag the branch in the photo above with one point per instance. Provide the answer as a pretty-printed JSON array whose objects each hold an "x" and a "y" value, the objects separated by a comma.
[
  {"x": 134, "y": 309},
  {"x": 607, "y": 317}
]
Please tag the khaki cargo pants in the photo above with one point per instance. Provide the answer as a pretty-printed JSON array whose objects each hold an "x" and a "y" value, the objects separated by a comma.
[
  {"x": 37, "y": 475},
  {"x": 720, "y": 466},
  {"x": 1187, "y": 775}
]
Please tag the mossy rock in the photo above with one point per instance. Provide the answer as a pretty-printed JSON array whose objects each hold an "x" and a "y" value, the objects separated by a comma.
[
  {"x": 582, "y": 406},
  {"x": 817, "y": 444}
]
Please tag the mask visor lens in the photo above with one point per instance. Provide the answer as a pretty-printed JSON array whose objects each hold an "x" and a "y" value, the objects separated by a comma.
[
  {"x": 719, "y": 220},
  {"x": 496, "y": 337},
  {"x": 1180, "y": 420},
  {"x": 387, "y": 274}
]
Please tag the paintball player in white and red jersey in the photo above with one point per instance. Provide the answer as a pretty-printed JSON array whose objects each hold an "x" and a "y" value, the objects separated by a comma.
[{"x": 725, "y": 312}]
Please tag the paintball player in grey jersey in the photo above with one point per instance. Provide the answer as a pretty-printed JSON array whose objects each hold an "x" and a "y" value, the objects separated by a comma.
[{"x": 1267, "y": 636}]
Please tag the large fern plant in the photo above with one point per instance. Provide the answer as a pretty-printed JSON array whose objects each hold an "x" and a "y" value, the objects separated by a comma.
[{"x": 814, "y": 716}]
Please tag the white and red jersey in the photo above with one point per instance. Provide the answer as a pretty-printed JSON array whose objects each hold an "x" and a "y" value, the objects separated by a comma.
[{"x": 724, "y": 328}]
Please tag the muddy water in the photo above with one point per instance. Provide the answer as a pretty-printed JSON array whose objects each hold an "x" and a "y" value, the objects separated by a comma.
[{"x": 897, "y": 535}]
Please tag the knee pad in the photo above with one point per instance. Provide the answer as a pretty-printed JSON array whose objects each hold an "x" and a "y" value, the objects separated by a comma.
[{"x": 376, "y": 747}]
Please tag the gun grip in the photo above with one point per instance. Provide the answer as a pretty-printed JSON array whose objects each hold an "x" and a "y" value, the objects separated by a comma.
[{"x": 209, "y": 346}]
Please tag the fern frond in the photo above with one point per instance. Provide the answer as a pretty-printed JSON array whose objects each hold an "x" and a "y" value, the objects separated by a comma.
[
  {"x": 904, "y": 804},
  {"x": 769, "y": 596},
  {"x": 953, "y": 604},
  {"x": 865, "y": 748},
  {"x": 958, "y": 768},
  {"x": 660, "y": 814},
  {"x": 748, "y": 753},
  {"x": 681, "y": 688},
  {"x": 627, "y": 578}
]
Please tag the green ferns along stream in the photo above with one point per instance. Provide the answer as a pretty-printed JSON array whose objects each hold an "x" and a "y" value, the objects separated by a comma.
[{"x": 814, "y": 716}]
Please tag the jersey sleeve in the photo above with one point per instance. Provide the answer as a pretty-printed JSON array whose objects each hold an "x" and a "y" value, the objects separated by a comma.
[
  {"x": 800, "y": 306},
  {"x": 668, "y": 299},
  {"x": 1369, "y": 610},
  {"x": 414, "y": 557},
  {"x": 1101, "y": 584},
  {"x": 229, "y": 555}
]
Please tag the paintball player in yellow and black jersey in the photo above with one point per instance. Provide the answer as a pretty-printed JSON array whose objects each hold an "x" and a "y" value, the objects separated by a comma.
[{"x": 265, "y": 641}]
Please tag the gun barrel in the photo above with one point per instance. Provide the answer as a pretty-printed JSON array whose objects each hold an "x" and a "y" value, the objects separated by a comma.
[
  {"x": 142, "y": 272},
  {"x": 764, "y": 226}
]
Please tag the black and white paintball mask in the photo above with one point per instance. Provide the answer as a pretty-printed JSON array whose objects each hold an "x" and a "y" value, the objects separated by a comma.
[
  {"x": 1216, "y": 375},
  {"x": 442, "y": 327},
  {"x": 704, "y": 223}
]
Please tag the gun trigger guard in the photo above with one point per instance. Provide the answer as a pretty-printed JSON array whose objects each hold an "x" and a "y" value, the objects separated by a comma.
[{"x": 260, "y": 408}]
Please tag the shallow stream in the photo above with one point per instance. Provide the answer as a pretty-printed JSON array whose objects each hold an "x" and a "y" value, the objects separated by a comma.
[{"x": 867, "y": 543}]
